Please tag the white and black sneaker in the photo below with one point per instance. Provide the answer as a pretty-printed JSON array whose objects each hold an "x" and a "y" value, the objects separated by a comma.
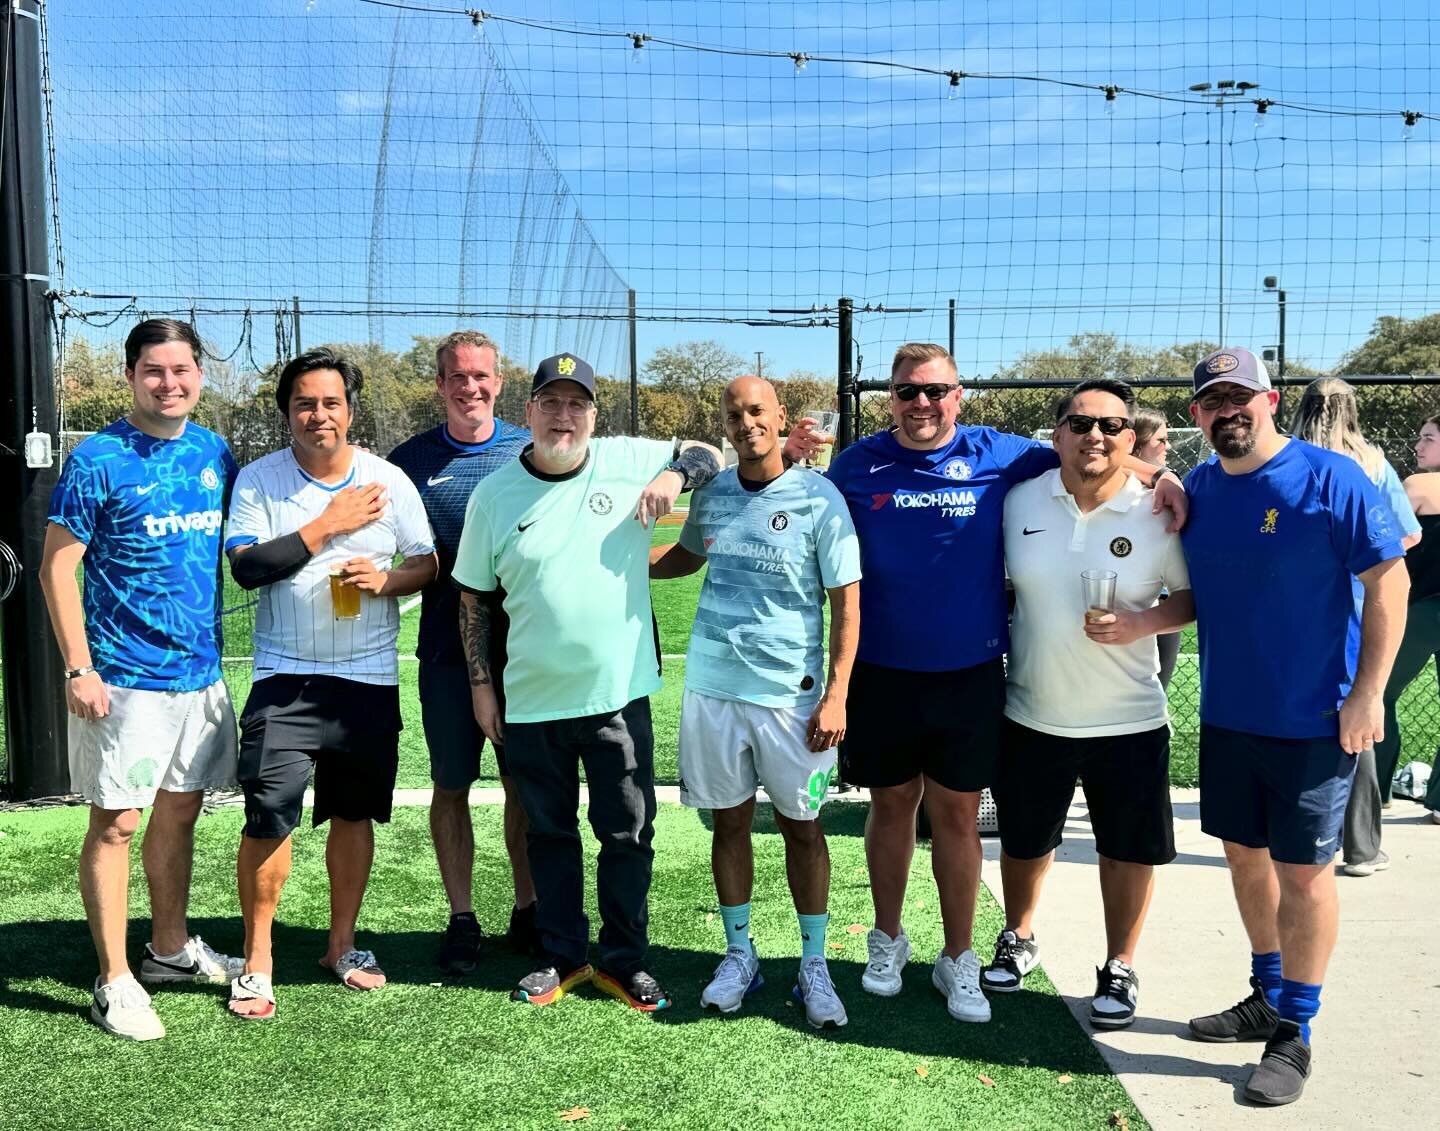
[
  {"x": 123, "y": 1008},
  {"x": 1117, "y": 989},
  {"x": 1014, "y": 958},
  {"x": 196, "y": 961}
]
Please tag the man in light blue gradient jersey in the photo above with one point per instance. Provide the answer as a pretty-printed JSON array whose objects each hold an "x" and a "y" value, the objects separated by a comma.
[{"x": 757, "y": 708}]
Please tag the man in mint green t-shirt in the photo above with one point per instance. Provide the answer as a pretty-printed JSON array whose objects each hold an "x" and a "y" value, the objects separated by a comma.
[{"x": 559, "y": 539}]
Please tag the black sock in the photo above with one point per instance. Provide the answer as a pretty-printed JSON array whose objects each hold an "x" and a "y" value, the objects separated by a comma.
[{"x": 463, "y": 917}]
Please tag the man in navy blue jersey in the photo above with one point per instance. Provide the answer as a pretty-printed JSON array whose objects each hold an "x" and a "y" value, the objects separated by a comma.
[{"x": 445, "y": 464}]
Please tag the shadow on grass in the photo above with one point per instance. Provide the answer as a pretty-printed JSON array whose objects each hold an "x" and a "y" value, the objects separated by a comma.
[{"x": 846, "y": 818}]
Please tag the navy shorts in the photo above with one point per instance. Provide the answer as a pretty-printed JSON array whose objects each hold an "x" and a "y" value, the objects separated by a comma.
[
  {"x": 945, "y": 725},
  {"x": 1126, "y": 779},
  {"x": 451, "y": 732},
  {"x": 1284, "y": 794}
]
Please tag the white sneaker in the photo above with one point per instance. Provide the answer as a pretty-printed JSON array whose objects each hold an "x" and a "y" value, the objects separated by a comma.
[
  {"x": 123, "y": 1008},
  {"x": 196, "y": 962},
  {"x": 959, "y": 980},
  {"x": 887, "y": 958},
  {"x": 737, "y": 975},
  {"x": 813, "y": 987}
]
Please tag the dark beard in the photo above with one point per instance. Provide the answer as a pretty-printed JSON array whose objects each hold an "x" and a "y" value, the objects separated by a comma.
[{"x": 1232, "y": 444}]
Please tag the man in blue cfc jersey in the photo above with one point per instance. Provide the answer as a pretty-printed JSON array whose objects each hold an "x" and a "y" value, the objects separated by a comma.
[
  {"x": 928, "y": 691},
  {"x": 757, "y": 708},
  {"x": 445, "y": 464},
  {"x": 141, "y": 504},
  {"x": 1279, "y": 528}
]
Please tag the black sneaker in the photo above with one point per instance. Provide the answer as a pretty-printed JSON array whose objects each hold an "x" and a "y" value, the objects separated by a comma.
[
  {"x": 1280, "y": 1076},
  {"x": 522, "y": 935},
  {"x": 548, "y": 983},
  {"x": 460, "y": 949},
  {"x": 638, "y": 991},
  {"x": 1014, "y": 958},
  {"x": 1116, "y": 991},
  {"x": 1250, "y": 1020}
]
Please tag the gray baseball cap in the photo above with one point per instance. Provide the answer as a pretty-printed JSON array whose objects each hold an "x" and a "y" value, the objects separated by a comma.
[{"x": 1232, "y": 364}]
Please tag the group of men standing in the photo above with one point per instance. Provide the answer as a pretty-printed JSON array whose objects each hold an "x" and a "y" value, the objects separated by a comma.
[{"x": 533, "y": 552}]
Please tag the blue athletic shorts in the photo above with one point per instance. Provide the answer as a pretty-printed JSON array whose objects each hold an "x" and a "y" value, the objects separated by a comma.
[
  {"x": 1284, "y": 794},
  {"x": 451, "y": 732}
]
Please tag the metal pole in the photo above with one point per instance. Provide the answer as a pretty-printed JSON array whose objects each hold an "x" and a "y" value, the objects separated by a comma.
[
  {"x": 1220, "y": 102},
  {"x": 759, "y": 368},
  {"x": 295, "y": 324},
  {"x": 952, "y": 327},
  {"x": 634, "y": 373},
  {"x": 846, "y": 393},
  {"x": 35, "y": 718},
  {"x": 1280, "y": 351}
]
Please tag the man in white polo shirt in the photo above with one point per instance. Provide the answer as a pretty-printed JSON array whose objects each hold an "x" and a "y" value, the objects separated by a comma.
[{"x": 1084, "y": 701}]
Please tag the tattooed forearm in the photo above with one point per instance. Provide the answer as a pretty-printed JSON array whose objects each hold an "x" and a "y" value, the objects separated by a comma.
[{"x": 475, "y": 636}]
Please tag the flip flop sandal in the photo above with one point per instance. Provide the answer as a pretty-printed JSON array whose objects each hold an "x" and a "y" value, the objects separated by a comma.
[
  {"x": 353, "y": 962},
  {"x": 253, "y": 987}
]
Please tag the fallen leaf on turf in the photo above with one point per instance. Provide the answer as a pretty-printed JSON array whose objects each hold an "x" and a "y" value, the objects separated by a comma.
[
  {"x": 1063, "y": 1079},
  {"x": 921, "y": 1071},
  {"x": 1117, "y": 1119},
  {"x": 852, "y": 929},
  {"x": 836, "y": 945},
  {"x": 574, "y": 1115},
  {"x": 709, "y": 916},
  {"x": 989, "y": 1083}
]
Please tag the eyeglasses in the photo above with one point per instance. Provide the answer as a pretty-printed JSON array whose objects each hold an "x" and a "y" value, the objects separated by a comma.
[
  {"x": 908, "y": 392},
  {"x": 551, "y": 405},
  {"x": 1082, "y": 425},
  {"x": 1238, "y": 397}
]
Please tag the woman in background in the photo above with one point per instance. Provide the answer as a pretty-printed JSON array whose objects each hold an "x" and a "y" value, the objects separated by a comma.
[
  {"x": 1328, "y": 417},
  {"x": 1152, "y": 444}
]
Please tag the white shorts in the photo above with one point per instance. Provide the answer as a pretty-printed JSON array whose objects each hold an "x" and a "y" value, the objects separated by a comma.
[
  {"x": 728, "y": 748},
  {"x": 178, "y": 741}
]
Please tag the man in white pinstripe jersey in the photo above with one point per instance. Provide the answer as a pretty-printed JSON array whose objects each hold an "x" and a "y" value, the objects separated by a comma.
[{"x": 307, "y": 524}]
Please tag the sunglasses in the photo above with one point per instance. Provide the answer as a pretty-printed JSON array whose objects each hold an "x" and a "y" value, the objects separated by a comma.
[
  {"x": 1082, "y": 425},
  {"x": 909, "y": 392},
  {"x": 1238, "y": 397}
]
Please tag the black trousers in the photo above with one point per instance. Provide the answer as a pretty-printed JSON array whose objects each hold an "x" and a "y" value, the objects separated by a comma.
[{"x": 617, "y": 751}]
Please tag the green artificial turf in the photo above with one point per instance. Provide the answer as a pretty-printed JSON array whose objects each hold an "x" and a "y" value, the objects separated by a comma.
[{"x": 427, "y": 1053}]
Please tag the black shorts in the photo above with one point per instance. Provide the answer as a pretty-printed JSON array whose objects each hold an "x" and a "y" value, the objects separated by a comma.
[
  {"x": 349, "y": 731},
  {"x": 945, "y": 725},
  {"x": 1126, "y": 779},
  {"x": 451, "y": 732}
]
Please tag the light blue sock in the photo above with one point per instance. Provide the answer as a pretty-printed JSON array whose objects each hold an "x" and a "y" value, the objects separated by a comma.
[
  {"x": 812, "y": 935},
  {"x": 1266, "y": 967},
  {"x": 1299, "y": 1002},
  {"x": 737, "y": 926}
]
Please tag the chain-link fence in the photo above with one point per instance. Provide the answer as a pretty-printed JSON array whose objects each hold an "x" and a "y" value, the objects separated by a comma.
[{"x": 1390, "y": 414}]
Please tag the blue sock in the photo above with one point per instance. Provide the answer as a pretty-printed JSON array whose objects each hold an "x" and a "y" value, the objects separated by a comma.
[
  {"x": 1299, "y": 1002},
  {"x": 737, "y": 926},
  {"x": 812, "y": 935},
  {"x": 1266, "y": 967}
]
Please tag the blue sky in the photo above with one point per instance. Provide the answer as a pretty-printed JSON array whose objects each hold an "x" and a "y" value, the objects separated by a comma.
[{"x": 236, "y": 159}]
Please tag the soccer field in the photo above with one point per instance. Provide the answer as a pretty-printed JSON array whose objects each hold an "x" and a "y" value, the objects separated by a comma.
[{"x": 674, "y": 603}]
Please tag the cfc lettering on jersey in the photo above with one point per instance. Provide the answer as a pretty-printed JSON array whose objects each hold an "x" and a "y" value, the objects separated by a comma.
[
  {"x": 1268, "y": 526},
  {"x": 207, "y": 522},
  {"x": 952, "y": 504}
]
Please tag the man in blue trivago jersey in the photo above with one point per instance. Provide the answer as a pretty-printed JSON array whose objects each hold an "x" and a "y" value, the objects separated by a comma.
[
  {"x": 445, "y": 464},
  {"x": 927, "y": 497},
  {"x": 758, "y": 708},
  {"x": 141, "y": 505},
  {"x": 1291, "y": 689},
  {"x": 315, "y": 528},
  {"x": 560, "y": 531},
  {"x": 1083, "y": 696}
]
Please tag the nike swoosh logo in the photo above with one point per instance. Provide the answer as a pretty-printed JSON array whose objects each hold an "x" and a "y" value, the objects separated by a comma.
[
  {"x": 434, "y": 479},
  {"x": 524, "y": 526},
  {"x": 874, "y": 467},
  {"x": 1027, "y": 530},
  {"x": 145, "y": 490},
  {"x": 742, "y": 926},
  {"x": 1323, "y": 843}
]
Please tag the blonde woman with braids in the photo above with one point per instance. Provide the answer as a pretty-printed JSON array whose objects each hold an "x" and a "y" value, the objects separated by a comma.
[
  {"x": 1328, "y": 417},
  {"x": 1152, "y": 444}
]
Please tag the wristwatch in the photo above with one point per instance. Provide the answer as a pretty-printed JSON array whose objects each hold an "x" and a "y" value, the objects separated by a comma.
[{"x": 76, "y": 673}]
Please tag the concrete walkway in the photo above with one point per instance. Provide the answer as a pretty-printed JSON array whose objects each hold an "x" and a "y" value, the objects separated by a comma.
[
  {"x": 1376, "y": 1062},
  {"x": 1375, "y": 1051}
]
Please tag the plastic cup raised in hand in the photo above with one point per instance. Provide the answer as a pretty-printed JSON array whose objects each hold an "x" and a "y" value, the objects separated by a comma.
[
  {"x": 345, "y": 598},
  {"x": 827, "y": 423},
  {"x": 1098, "y": 586}
]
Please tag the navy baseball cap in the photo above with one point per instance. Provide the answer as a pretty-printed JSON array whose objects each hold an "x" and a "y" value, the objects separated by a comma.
[
  {"x": 564, "y": 367},
  {"x": 1237, "y": 366}
]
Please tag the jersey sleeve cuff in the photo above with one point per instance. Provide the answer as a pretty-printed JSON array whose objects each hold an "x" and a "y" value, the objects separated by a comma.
[
  {"x": 460, "y": 585},
  {"x": 68, "y": 525}
]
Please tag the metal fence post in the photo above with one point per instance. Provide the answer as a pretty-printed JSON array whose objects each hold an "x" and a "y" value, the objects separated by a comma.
[{"x": 846, "y": 393}]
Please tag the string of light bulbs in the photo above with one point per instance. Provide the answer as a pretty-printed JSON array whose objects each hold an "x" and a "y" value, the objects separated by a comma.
[{"x": 639, "y": 41}]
